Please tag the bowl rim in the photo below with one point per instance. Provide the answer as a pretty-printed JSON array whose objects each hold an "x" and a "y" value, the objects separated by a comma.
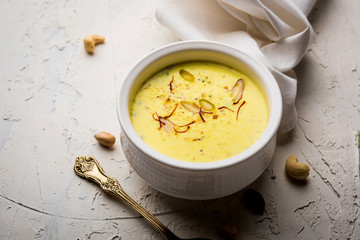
[{"x": 270, "y": 84}]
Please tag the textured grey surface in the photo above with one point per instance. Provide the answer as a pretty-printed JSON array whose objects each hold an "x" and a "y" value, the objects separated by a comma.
[{"x": 54, "y": 97}]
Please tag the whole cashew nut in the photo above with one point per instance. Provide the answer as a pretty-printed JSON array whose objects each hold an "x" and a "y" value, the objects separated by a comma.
[
  {"x": 295, "y": 169},
  {"x": 91, "y": 40},
  {"x": 104, "y": 138}
]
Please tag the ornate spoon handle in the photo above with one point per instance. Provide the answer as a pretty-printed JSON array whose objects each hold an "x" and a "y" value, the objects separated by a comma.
[{"x": 88, "y": 167}]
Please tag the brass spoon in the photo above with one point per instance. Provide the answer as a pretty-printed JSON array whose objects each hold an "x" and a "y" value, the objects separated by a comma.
[{"x": 88, "y": 167}]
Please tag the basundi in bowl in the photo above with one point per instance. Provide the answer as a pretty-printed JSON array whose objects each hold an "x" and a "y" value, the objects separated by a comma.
[
  {"x": 190, "y": 153},
  {"x": 199, "y": 111}
]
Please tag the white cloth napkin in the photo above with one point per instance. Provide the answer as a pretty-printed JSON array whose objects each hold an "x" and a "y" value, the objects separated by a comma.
[{"x": 276, "y": 32}]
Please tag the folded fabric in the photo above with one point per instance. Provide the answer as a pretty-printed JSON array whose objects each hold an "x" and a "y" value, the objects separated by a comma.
[{"x": 276, "y": 32}]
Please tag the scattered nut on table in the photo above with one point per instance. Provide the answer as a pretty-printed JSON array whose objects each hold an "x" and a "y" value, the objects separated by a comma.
[
  {"x": 226, "y": 229},
  {"x": 104, "y": 138},
  {"x": 295, "y": 169},
  {"x": 254, "y": 201},
  {"x": 91, "y": 40}
]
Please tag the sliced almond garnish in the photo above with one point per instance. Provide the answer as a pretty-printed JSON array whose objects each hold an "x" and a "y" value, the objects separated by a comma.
[
  {"x": 171, "y": 127},
  {"x": 186, "y": 75},
  {"x": 206, "y": 105},
  {"x": 194, "y": 108},
  {"x": 190, "y": 106},
  {"x": 237, "y": 91},
  {"x": 168, "y": 125}
]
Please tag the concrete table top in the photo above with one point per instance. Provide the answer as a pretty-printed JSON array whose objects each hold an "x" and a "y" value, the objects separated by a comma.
[{"x": 54, "y": 97}]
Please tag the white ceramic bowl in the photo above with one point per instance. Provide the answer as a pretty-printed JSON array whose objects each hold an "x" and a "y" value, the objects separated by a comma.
[{"x": 191, "y": 180}]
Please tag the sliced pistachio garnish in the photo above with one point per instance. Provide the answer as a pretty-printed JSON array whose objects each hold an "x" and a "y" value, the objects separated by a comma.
[
  {"x": 206, "y": 105},
  {"x": 186, "y": 75},
  {"x": 237, "y": 91},
  {"x": 190, "y": 106}
]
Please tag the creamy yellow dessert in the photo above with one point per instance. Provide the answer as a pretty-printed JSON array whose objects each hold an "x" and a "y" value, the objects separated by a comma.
[{"x": 199, "y": 112}]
